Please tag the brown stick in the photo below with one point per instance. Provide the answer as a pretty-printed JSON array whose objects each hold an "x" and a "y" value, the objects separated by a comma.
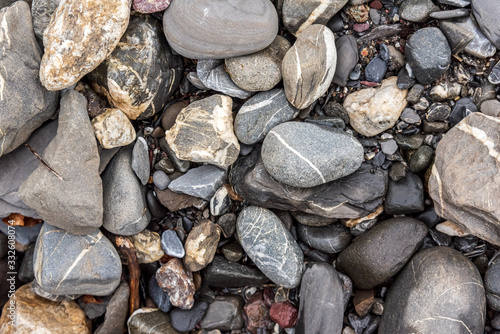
[
  {"x": 127, "y": 248},
  {"x": 43, "y": 161}
]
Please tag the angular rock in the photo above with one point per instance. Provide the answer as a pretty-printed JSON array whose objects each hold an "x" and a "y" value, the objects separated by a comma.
[
  {"x": 347, "y": 58},
  {"x": 199, "y": 182},
  {"x": 140, "y": 160},
  {"x": 290, "y": 148},
  {"x": 116, "y": 311},
  {"x": 42, "y": 11},
  {"x": 160, "y": 297},
  {"x": 201, "y": 245},
  {"x": 69, "y": 56},
  {"x": 328, "y": 239},
  {"x": 225, "y": 313},
  {"x": 309, "y": 66},
  {"x": 284, "y": 314},
  {"x": 147, "y": 245},
  {"x": 74, "y": 200},
  {"x": 150, "y": 321},
  {"x": 222, "y": 273},
  {"x": 241, "y": 28},
  {"x": 212, "y": 73},
  {"x": 171, "y": 244},
  {"x": 177, "y": 282},
  {"x": 113, "y": 129},
  {"x": 220, "y": 203},
  {"x": 174, "y": 201},
  {"x": 405, "y": 195},
  {"x": 24, "y": 103},
  {"x": 480, "y": 46},
  {"x": 486, "y": 13},
  {"x": 186, "y": 320},
  {"x": 417, "y": 10},
  {"x": 150, "y": 6}
]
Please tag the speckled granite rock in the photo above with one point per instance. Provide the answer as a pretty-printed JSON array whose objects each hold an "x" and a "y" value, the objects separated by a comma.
[
  {"x": 113, "y": 129},
  {"x": 177, "y": 282}
]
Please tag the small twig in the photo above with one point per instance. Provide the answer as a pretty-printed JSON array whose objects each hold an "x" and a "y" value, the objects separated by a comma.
[
  {"x": 128, "y": 250},
  {"x": 43, "y": 161}
]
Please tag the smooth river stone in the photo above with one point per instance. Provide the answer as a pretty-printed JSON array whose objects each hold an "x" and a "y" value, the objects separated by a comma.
[
  {"x": 439, "y": 291},
  {"x": 24, "y": 103},
  {"x": 305, "y": 155},
  {"x": 487, "y": 13},
  {"x": 241, "y": 26},
  {"x": 222, "y": 273},
  {"x": 260, "y": 114},
  {"x": 225, "y": 313},
  {"x": 309, "y": 66},
  {"x": 328, "y": 239},
  {"x": 141, "y": 73},
  {"x": 270, "y": 246},
  {"x": 69, "y": 56}
]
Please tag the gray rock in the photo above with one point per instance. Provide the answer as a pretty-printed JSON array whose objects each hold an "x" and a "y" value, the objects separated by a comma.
[
  {"x": 494, "y": 76},
  {"x": 181, "y": 165},
  {"x": 41, "y": 11},
  {"x": 25, "y": 235},
  {"x": 456, "y": 3},
  {"x": 405, "y": 195},
  {"x": 410, "y": 116},
  {"x": 486, "y": 13},
  {"x": 321, "y": 308},
  {"x": 381, "y": 252},
  {"x": 220, "y": 203},
  {"x": 161, "y": 179},
  {"x": 347, "y": 58},
  {"x": 72, "y": 201},
  {"x": 309, "y": 66},
  {"x": 125, "y": 209},
  {"x": 389, "y": 146},
  {"x": 199, "y": 182},
  {"x": 450, "y": 14},
  {"x": 270, "y": 246},
  {"x": 35, "y": 287},
  {"x": 468, "y": 152},
  {"x": 76, "y": 264},
  {"x": 186, "y": 320},
  {"x": 116, "y": 311},
  {"x": 413, "y": 307},
  {"x": 458, "y": 37},
  {"x": 353, "y": 196},
  {"x": 222, "y": 273},
  {"x": 415, "y": 93},
  {"x": 150, "y": 321},
  {"x": 428, "y": 54},
  {"x": 490, "y": 108},
  {"x": 492, "y": 285},
  {"x": 421, "y": 159},
  {"x": 312, "y": 220},
  {"x": 300, "y": 14},
  {"x": 306, "y": 155},
  {"x": 328, "y": 239},
  {"x": 228, "y": 224},
  {"x": 225, "y": 313},
  {"x": 259, "y": 71},
  {"x": 160, "y": 297},
  {"x": 213, "y": 75},
  {"x": 171, "y": 244},
  {"x": 438, "y": 112},
  {"x": 24, "y": 103},
  {"x": 140, "y": 160},
  {"x": 480, "y": 46},
  {"x": 411, "y": 142},
  {"x": 417, "y": 10},
  {"x": 376, "y": 70},
  {"x": 229, "y": 21},
  {"x": 260, "y": 114}
]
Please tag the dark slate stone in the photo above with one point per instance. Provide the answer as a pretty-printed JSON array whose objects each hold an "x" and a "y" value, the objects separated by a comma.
[
  {"x": 329, "y": 239},
  {"x": 421, "y": 159},
  {"x": 312, "y": 220},
  {"x": 458, "y": 37},
  {"x": 375, "y": 70},
  {"x": 200, "y": 182},
  {"x": 172, "y": 245},
  {"x": 159, "y": 296},
  {"x": 186, "y": 320},
  {"x": 492, "y": 284},
  {"x": 405, "y": 195},
  {"x": 225, "y": 313},
  {"x": 116, "y": 311},
  {"x": 494, "y": 76},
  {"x": 438, "y": 112},
  {"x": 381, "y": 252},
  {"x": 222, "y": 273},
  {"x": 347, "y": 58},
  {"x": 157, "y": 210},
  {"x": 487, "y": 13},
  {"x": 423, "y": 299},
  {"x": 150, "y": 321}
]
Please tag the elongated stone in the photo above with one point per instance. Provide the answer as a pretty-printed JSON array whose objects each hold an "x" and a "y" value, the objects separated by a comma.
[{"x": 222, "y": 273}]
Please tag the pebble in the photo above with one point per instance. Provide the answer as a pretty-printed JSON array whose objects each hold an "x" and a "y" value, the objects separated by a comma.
[
  {"x": 165, "y": 165},
  {"x": 227, "y": 222},
  {"x": 360, "y": 27},
  {"x": 175, "y": 202},
  {"x": 328, "y": 239},
  {"x": 415, "y": 93},
  {"x": 298, "y": 15},
  {"x": 309, "y": 219},
  {"x": 374, "y": 110},
  {"x": 307, "y": 77},
  {"x": 41, "y": 12},
  {"x": 147, "y": 245},
  {"x": 491, "y": 284},
  {"x": 480, "y": 46},
  {"x": 148, "y": 6},
  {"x": 213, "y": 75},
  {"x": 116, "y": 311},
  {"x": 257, "y": 313},
  {"x": 450, "y": 14},
  {"x": 444, "y": 91},
  {"x": 486, "y": 13},
  {"x": 491, "y": 108},
  {"x": 226, "y": 20},
  {"x": 417, "y": 10},
  {"x": 494, "y": 76},
  {"x": 421, "y": 159},
  {"x": 458, "y": 37},
  {"x": 180, "y": 165},
  {"x": 438, "y": 112},
  {"x": 171, "y": 244},
  {"x": 435, "y": 127},
  {"x": 140, "y": 160},
  {"x": 186, "y": 320},
  {"x": 284, "y": 314},
  {"x": 160, "y": 297},
  {"x": 410, "y": 116},
  {"x": 375, "y": 70},
  {"x": 225, "y": 313},
  {"x": 200, "y": 182},
  {"x": 406, "y": 79},
  {"x": 253, "y": 226},
  {"x": 363, "y": 302},
  {"x": 177, "y": 282},
  {"x": 203, "y": 132},
  {"x": 222, "y": 273},
  {"x": 113, "y": 129},
  {"x": 150, "y": 321},
  {"x": 232, "y": 252},
  {"x": 170, "y": 114},
  {"x": 381, "y": 252},
  {"x": 405, "y": 195},
  {"x": 156, "y": 209},
  {"x": 201, "y": 245},
  {"x": 161, "y": 179},
  {"x": 220, "y": 203},
  {"x": 336, "y": 23},
  {"x": 451, "y": 229},
  {"x": 63, "y": 66},
  {"x": 347, "y": 58},
  {"x": 389, "y": 147},
  {"x": 359, "y": 13},
  {"x": 375, "y": 16}
]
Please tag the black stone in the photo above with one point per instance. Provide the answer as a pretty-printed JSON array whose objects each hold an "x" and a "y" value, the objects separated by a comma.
[
  {"x": 155, "y": 208},
  {"x": 375, "y": 70},
  {"x": 421, "y": 159},
  {"x": 159, "y": 296},
  {"x": 405, "y": 195},
  {"x": 329, "y": 239},
  {"x": 222, "y": 273},
  {"x": 438, "y": 112},
  {"x": 404, "y": 79}
]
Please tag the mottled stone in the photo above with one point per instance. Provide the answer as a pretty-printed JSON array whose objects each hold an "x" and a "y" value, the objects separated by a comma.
[
  {"x": 220, "y": 203},
  {"x": 203, "y": 132},
  {"x": 225, "y": 313},
  {"x": 309, "y": 66},
  {"x": 201, "y": 245},
  {"x": 24, "y": 103},
  {"x": 284, "y": 314},
  {"x": 150, "y": 6},
  {"x": 486, "y": 13},
  {"x": 41, "y": 11},
  {"x": 270, "y": 246},
  {"x": 116, "y": 311},
  {"x": 222, "y": 273},
  {"x": 417, "y": 10},
  {"x": 328, "y": 239},
  {"x": 381, "y": 252},
  {"x": 347, "y": 58},
  {"x": 432, "y": 307},
  {"x": 212, "y": 73},
  {"x": 67, "y": 264},
  {"x": 300, "y": 14},
  {"x": 256, "y": 313},
  {"x": 113, "y": 129},
  {"x": 177, "y": 282},
  {"x": 199, "y": 182},
  {"x": 72, "y": 201},
  {"x": 374, "y": 110},
  {"x": 147, "y": 245},
  {"x": 69, "y": 56},
  {"x": 241, "y": 27},
  {"x": 150, "y": 321}
]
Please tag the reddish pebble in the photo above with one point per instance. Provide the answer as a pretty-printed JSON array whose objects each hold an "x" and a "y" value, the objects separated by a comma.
[
  {"x": 360, "y": 27},
  {"x": 376, "y": 4},
  {"x": 370, "y": 84},
  {"x": 150, "y": 6},
  {"x": 256, "y": 313},
  {"x": 284, "y": 314}
]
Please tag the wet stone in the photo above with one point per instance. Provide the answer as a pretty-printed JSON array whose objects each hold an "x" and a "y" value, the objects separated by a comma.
[
  {"x": 159, "y": 296},
  {"x": 225, "y": 313},
  {"x": 222, "y": 273},
  {"x": 201, "y": 245},
  {"x": 329, "y": 239},
  {"x": 177, "y": 282},
  {"x": 405, "y": 195}
]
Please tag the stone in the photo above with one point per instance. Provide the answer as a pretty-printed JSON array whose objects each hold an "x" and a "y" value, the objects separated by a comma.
[
  {"x": 415, "y": 93},
  {"x": 203, "y": 132},
  {"x": 256, "y": 313},
  {"x": 309, "y": 66},
  {"x": 347, "y": 58},
  {"x": 24, "y": 102},
  {"x": 328, "y": 239},
  {"x": 156, "y": 209},
  {"x": 148, "y": 6},
  {"x": 491, "y": 284},
  {"x": 421, "y": 159},
  {"x": 411, "y": 142},
  {"x": 455, "y": 3},
  {"x": 222, "y": 273},
  {"x": 68, "y": 57},
  {"x": 180, "y": 165},
  {"x": 232, "y": 251},
  {"x": 374, "y": 110},
  {"x": 278, "y": 256},
  {"x": 312, "y": 220},
  {"x": 147, "y": 245},
  {"x": 260, "y": 114},
  {"x": 298, "y": 15},
  {"x": 428, "y": 53},
  {"x": 353, "y": 196},
  {"x": 67, "y": 264},
  {"x": 290, "y": 148},
  {"x": 226, "y": 20},
  {"x": 225, "y": 313},
  {"x": 165, "y": 165},
  {"x": 389, "y": 146},
  {"x": 25, "y": 235},
  {"x": 321, "y": 308},
  {"x": 450, "y": 14},
  {"x": 201, "y": 245},
  {"x": 494, "y": 76},
  {"x": 72, "y": 200},
  {"x": 405, "y": 195},
  {"x": 246, "y": 71},
  {"x": 212, "y": 73},
  {"x": 491, "y": 108},
  {"x": 141, "y": 73},
  {"x": 381, "y": 252},
  {"x": 171, "y": 244},
  {"x": 174, "y": 279},
  {"x": 451, "y": 229},
  {"x": 444, "y": 91},
  {"x": 486, "y": 14},
  {"x": 41, "y": 12},
  {"x": 150, "y": 321},
  {"x": 220, "y": 203},
  {"x": 161, "y": 179},
  {"x": 140, "y": 160},
  {"x": 438, "y": 112},
  {"x": 363, "y": 302},
  {"x": 284, "y": 314},
  {"x": 26, "y": 270},
  {"x": 228, "y": 224},
  {"x": 45, "y": 316},
  {"x": 417, "y": 10},
  {"x": 170, "y": 113},
  {"x": 200, "y": 182},
  {"x": 160, "y": 297},
  {"x": 480, "y": 46},
  {"x": 375, "y": 70},
  {"x": 186, "y": 320},
  {"x": 116, "y": 311},
  {"x": 113, "y": 129},
  {"x": 336, "y": 23},
  {"x": 175, "y": 202},
  {"x": 413, "y": 307},
  {"x": 358, "y": 13},
  {"x": 466, "y": 149}
]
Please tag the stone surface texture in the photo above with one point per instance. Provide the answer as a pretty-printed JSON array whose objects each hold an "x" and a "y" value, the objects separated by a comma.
[
  {"x": 201, "y": 245},
  {"x": 174, "y": 279},
  {"x": 113, "y": 128}
]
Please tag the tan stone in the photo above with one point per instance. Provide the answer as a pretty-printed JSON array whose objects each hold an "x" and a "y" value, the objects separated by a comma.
[
  {"x": 147, "y": 246},
  {"x": 450, "y": 228},
  {"x": 38, "y": 315},
  {"x": 201, "y": 245},
  {"x": 80, "y": 35},
  {"x": 173, "y": 278},
  {"x": 113, "y": 129},
  {"x": 374, "y": 110}
]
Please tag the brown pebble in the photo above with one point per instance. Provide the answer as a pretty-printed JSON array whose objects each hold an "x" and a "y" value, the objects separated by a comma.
[{"x": 363, "y": 301}]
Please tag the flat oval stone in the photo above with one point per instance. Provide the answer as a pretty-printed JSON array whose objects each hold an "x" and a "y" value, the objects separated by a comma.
[
  {"x": 172, "y": 245},
  {"x": 241, "y": 26},
  {"x": 423, "y": 299},
  {"x": 270, "y": 246},
  {"x": 306, "y": 155},
  {"x": 328, "y": 239}
]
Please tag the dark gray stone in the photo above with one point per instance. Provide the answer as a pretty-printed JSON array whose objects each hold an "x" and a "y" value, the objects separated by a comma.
[
  {"x": 159, "y": 296},
  {"x": 180, "y": 165},
  {"x": 150, "y": 321},
  {"x": 413, "y": 307},
  {"x": 37, "y": 289},
  {"x": 381, "y": 252},
  {"x": 409, "y": 115},
  {"x": 270, "y": 246},
  {"x": 389, "y": 146},
  {"x": 25, "y": 235},
  {"x": 486, "y": 13},
  {"x": 480, "y": 46},
  {"x": 222, "y": 273},
  {"x": 76, "y": 264},
  {"x": 186, "y": 320},
  {"x": 463, "y": 108},
  {"x": 26, "y": 273},
  {"x": 492, "y": 284},
  {"x": 41, "y": 11},
  {"x": 347, "y": 58},
  {"x": 417, "y": 10},
  {"x": 494, "y": 76},
  {"x": 328, "y": 239},
  {"x": 225, "y": 313},
  {"x": 199, "y": 182},
  {"x": 438, "y": 112},
  {"x": 458, "y": 37},
  {"x": 116, "y": 311},
  {"x": 213, "y": 75},
  {"x": 312, "y": 220},
  {"x": 171, "y": 244},
  {"x": 375, "y": 70},
  {"x": 455, "y": 3},
  {"x": 228, "y": 224},
  {"x": 450, "y": 14},
  {"x": 405, "y": 195},
  {"x": 140, "y": 160},
  {"x": 421, "y": 159},
  {"x": 415, "y": 93},
  {"x": 397, "y": 171},
  {"x": 156, "y": 209}
]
